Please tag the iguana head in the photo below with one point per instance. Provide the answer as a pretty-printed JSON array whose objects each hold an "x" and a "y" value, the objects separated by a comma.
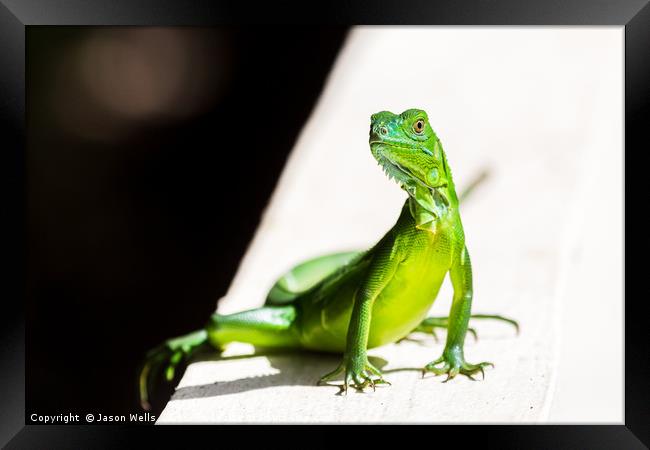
[{"x": 409, "y": 151}]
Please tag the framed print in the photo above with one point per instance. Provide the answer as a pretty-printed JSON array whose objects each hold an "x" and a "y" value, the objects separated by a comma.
[{"x": 227, "y": 214}]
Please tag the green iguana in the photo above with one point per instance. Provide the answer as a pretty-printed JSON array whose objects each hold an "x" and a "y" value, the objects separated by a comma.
[{"x": 350, "y": 302}]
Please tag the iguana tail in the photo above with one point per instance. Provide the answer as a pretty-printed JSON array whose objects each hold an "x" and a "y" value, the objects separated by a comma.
[{"x": 477, "y": 181}]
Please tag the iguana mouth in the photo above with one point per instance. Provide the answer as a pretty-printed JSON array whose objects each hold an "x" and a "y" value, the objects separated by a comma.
[{"x": 392, "y": 144}]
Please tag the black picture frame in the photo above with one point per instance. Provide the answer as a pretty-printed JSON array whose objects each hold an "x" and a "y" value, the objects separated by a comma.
[{"x": 15, "y": 15}]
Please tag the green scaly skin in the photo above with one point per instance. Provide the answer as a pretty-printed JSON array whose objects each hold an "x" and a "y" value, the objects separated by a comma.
[{"x": 350, "y": 302}]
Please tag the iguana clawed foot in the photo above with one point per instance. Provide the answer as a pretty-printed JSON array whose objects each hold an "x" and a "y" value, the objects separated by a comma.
[
  {"x": 430, "y": 324},
  {"x": 166, "y": 358},
  {"x": 359, "y": 374},
  {"x": 452, "y": 363}
]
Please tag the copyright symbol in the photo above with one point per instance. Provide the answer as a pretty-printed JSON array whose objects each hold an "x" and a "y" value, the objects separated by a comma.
[{"x": 90, "y": 418}]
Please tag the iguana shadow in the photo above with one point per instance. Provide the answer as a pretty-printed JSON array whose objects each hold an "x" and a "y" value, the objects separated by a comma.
[{"x": 289, "y": 368}]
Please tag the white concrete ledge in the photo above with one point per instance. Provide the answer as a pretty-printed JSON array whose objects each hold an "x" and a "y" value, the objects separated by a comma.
[{"x": 541, "y": 108}]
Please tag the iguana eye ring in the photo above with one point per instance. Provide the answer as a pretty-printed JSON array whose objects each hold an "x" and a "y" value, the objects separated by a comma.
[{"x": 418, "y": 126}]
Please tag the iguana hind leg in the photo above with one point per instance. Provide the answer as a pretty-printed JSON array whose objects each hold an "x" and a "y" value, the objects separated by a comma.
[
  {"x": 306, "y": 275},
  {"x": 430, "y": 324},
  {"x": 269, "y": 326},
  {"x": 165, "y": 359}
]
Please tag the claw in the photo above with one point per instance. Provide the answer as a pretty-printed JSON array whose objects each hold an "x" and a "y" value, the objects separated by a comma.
[
  {"x": 435, "y": 370},
  {"x": 169, "y": 373},
  {"x": 359, "y": 380},
  {"x": 453, "y": 366},
  {"x": 327, "y": 377},
  {"x": 176, "y": 357},
  {"x": 473, "y": 333}
]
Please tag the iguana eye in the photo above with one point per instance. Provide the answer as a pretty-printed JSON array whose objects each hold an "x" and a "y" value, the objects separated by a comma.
[{"x": 418, "y": 126}]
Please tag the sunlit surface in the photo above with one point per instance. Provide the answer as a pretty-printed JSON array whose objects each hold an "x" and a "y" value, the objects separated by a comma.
[{"x": 541, "y": 109}]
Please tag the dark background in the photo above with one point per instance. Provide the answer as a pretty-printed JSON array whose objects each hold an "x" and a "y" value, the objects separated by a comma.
[{"x": 150, "y": 159}]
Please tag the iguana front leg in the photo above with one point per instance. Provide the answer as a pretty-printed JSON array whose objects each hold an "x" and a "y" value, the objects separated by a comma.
[
  {"x": 357, "y": 370},
  {"x": 452, "y": 362}
]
